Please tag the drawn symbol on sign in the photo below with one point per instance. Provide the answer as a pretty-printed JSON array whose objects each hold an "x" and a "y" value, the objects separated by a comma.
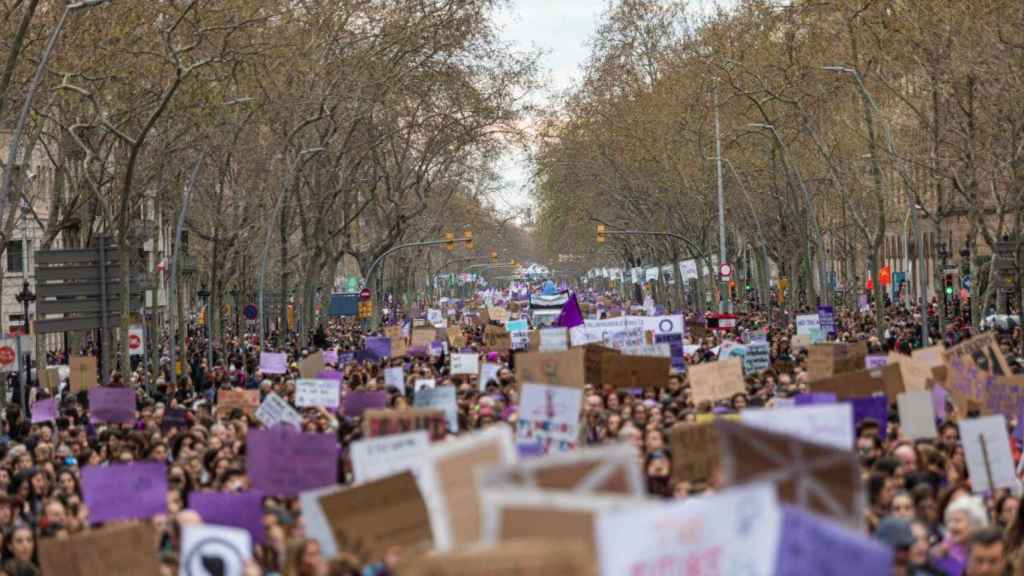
[{"x": 215, "y": 557}]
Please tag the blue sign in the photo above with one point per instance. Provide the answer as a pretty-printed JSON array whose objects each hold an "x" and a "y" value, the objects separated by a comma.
[
  {"x": 966, "y": 282},
  {"x": 827, "y": 320},
  {"x": 250, "y": 311}
]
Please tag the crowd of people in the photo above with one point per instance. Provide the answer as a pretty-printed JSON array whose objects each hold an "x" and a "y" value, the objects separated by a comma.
[{"x": 920, "y": 497}]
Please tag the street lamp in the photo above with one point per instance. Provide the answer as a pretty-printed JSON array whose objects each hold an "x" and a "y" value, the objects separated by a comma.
[
  {"x": 26, "y": 297},
  {"x": 204, "y": 297}
]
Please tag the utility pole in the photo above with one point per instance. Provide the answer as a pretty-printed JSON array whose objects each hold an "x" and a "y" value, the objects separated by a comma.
[{"x": 724, "y": 306}]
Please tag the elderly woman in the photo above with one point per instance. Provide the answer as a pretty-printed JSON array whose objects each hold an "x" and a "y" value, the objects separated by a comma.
[{"x": 963, "y": 517}]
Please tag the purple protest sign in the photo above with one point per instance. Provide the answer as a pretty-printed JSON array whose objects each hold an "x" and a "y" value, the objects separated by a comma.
[
  {"x": 874, "y": 407},
  {"x": 273, "y": 362},
  {"x": 112, "y": 405},
  {"x": 358, "y": 401},
  {"x": 811, "y": 544},
  {"x": 329, "y": 375},
  {"x": 174, "y": 418},
  {"x": 876, "y": 361},
  {"x": 436, "y": 348},
  {"x": 44, "y": 411},
  {"x": 939, "y": 401},
  {"x": 815, "y": 398},
  {"x": 237, "y": 509},
  {"x": 827, "y": 321},
  {"x": 284, "y": 462},
  {"x": 330, "y": 357},
  {"x": 417, "y": 352},
  {"x": 379, "y": 347},
  {"x": 125, "y": 491},
  {"x": 345, "y": 358}
]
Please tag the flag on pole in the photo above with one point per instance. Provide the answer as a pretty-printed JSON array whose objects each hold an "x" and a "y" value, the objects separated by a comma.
[{"x": 571, "y": 316}]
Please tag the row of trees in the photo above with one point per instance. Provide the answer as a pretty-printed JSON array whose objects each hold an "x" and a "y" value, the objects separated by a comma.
[
  {"x": 837, "y": 117},
  {"x": 322, "y": 129}
]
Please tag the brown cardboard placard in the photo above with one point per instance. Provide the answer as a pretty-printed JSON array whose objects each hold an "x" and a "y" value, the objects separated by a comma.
[
  {"x": 828, "y": 359},
  {"x": 612, "y": 469},
  {"x": 573, "y": 368},
  {"x": 368, "y": 519},
  {"x": 312, "y": 365},
  {"x": 711, "y": 381},
  {"x": 887, "y": 379},
  {"x": 113, "y": 549},
  {"x": 916, "y": 373},
  {"x": 984, "y": 352},
  {"x": 50, "y": 379},
  {"x": 497, "y": 339},
  {"x": 456, "y": 338},
  {"x": 813, "y": 476},
  {"x": 247, "y": 401},
  {"x": 384, "y": 422},
  {"x": 393, "y": 331},
  {"x": 513, "y": 558},
  {"x": 498, "y": 314},
  {"x": 695, "y": 452},
  {"x": 622, "y": 371},
  {"x": 399, "y": 347},
  {"x": 423, "y": 336},
  {"x": 84, "y": 373}
]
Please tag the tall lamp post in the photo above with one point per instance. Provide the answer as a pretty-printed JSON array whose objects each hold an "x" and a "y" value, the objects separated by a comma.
[
  {"x": 26, "y": 297},
  {"x": 204, "y": 297}
]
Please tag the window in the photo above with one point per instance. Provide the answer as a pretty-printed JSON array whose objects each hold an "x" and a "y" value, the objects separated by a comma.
[{"x": 15, "y": 256}]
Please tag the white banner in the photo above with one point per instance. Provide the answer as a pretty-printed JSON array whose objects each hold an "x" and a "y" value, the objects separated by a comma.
[
  {"x": 554, "y": 339},
  {"x": 375, "y": 458},
  {"x": 807, "y": 323},
  {"x": 316, "y": 392},
  {"x": 829, "y": 424},
  {"x": 465, "y": 364},
  {"x": 550, "y": 416},
  {"x": 275, "y": 410}
]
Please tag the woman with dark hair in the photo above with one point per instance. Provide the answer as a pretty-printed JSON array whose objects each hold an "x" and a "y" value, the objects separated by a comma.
[{"x": 19, "y": 548}]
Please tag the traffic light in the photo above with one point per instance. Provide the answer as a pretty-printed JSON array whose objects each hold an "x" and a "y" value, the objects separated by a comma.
[
  {"x": 450, "y": 237},
  {"x": 949, "y": 284},
  {"x": 600, "y": 233},
  {"x": 468, "y": 235}
]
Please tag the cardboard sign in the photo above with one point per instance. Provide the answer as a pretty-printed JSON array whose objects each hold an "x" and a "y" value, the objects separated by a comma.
[
  {"x": 827, "y": 360},
  {"x": 378, "y": 423},
  {"x": 313, "y": 392},
  {"x": 984, "y": 352},
  {"x": 612, "y": 469},
  {"x": 514, "y": 558},
  {"x": 712, "y": 381},
  {"x": 114, "y": 405},
  {"x": 887, "y": 380},
  {"x": 205, "y": 545},
  {"x": 375, "y": 458},
  {"x": 442, "y": 398},
  {"x": 423, "y": 336},
  {"x": 917, "y": 415},
  {"x": 104, "y": 490},
  {"x": 114, "y": 549},
  {"x": 456, "y": 338},
  {"x": 248, "y": 401},
  {"x": 827, "y": 424},
  {"x": 312, "y": 365},
  {"x": 84, "y": 373},
  {"x": 368, "y": 519},
  {"x": 273, "y": 363},
  {"x": 393, "y": 331},
  {"x": 397, "y": 348},
  {"x": 275, "y": 410},
  {"x": 737, "y": 527},
  {"x": 549, "y": 417},
  {"x": 698, "y": 453},
  {"x": 497, "y": 339},
  {"x": 573, "y": 368},
  {"x": 622, "y": 371},
  {"x": 553, "y": 340},
  {"x": 813, "y": 476},
  {"x": 465, "y": 364},
  {"x": 987, "y": 448},
  {"x": 284, "y": 462},
  {"x": 916, "y": 374}
]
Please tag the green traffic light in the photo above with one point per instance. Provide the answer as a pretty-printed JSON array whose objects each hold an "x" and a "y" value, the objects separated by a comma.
[{"x": 949, "y": 290}]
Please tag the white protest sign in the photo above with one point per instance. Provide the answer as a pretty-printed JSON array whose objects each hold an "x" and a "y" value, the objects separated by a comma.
[
  {"x": 520, "y": 340},
  {"x": 758, "y": 358},
  {"x": 443, "y": 398},
  {"x": 275, "y": 410},
  {"x": 465, "y": 364},
  {"x": 136, "y": 340},
  {"x": 732, "y": 532},
  {"x": 828, "y": 424},
  {"x": 488, "y": 372},
  {"x": 917, "y": 414},
  {"x": 315, "y": 521},
  {"x": 422, "y": 383},
  {"x": 624, "y": 338},
  {"x": 205, "y": 545},
  {"x": 650, "y": 350},
  {"x": 395, "y": 377},
  {"x": 987, "y": 447},
  {"x": 554, "y": 339},
  {"x": 807, "y": 324},
  {"x": 549, "y": 416},
  {"x": 583, "y": 335},
  {"x": 375, "y": 458},
  {"x": 316, "y": 392},
  {"x": 661, "y": 325},
  {"x": 435, "y": 317}
]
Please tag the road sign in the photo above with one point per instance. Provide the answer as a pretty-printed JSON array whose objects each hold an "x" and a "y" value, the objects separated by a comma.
[
  {"x": 7, "y": 355},
  {"x": 966, "y": 282},
  {"x": 250, "y": 311},
  {"x": 135, "y": 334},
  {"x": 725, "y": 270},
  {"x": 364, "y": 294}
]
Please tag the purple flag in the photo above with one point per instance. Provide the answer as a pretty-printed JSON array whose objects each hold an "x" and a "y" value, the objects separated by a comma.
[
  {"x": 875, "y": 407},
  {"x": 358, "y": 401},
  {"x": 125, "y": 491},
  {"x": 815, "y": 398},
  {"x": 44, "y": 411},
  {"x": 113, "y": 405},
  {"x": 811, "y": 544},
  {"x": 237, "y": 509},
  {"x": 284, "y": 462},
  {"x": 273, "y": 362},
  {"x": 378, "y": 346},
  {"x": 571, "y": 315}
]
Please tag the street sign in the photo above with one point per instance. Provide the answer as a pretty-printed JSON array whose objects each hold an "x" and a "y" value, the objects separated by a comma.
[
  {"x": 966, "y": 282},
  {"x": 885, "y": 275},
  {"x": 250, "y": 312},
  {"x": 725, "y": 270},
  {"x": 364, "y": 294},
  {"x": 950, "y": 270}
]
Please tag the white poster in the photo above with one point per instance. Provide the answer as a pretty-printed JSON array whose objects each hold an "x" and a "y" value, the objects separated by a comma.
[
  {"x": 828, "y": 424},
  {"x": 732, "y": 532},
  {"x": 136, "y": 340},
  {"x": 315, "y": 521},
  {"x": 917, "y": 414},
  {"x": 422, "y": 383},
  {"x": 758, "y": 358},
  {"x": 443, "y": 398},
  {"x": 661, "y": 325},
  {"x": 375, "y": 458},
  {"x": 465, "y": 364},
  {"x": 808, "y": 324},
  {"x": 275, "y": 410},
  {"x": 488, "y": 372},
  {"x": 316, "y": 392},
  {"x": 436, "y": 318},
  {"x": 549, "y": 416},
  {"x": 395, "y": 377},
  {"x": 554, "y": 339},
  {"x": 207, "y": 545},
  {"x": 649, "y": 350},
  {"x": 987, "y": 447}
]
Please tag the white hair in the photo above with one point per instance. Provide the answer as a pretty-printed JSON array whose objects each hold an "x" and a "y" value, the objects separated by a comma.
[{"x": 972, "y": 507}]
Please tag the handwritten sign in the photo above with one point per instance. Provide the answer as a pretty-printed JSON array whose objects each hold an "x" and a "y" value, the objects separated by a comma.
[
  {"x": 248, "y": 401},
  {"x": 442, "y": 398},
  {"x": 378, "y": 423},
  {"x": 275, "y": 410},
  {"x": 465, "y": 364},
  {"x": 395, "y": 378},
  {"x": 554, "y": 339},
  {"x": 284, "y": 462},
  {"x": 273, "y": 362},
  {"x": 311, "y": 392},
  {"x": 375, "y": 458},
  {"x": 758, "y": 358},
  {"x": 549, "y": 416},
  {"x": 720, "y": 380},
  {"x": 828, "y": 424}
]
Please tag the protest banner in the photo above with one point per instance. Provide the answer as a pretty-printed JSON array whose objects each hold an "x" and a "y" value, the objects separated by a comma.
[
  {"x": 987, "y": 448},
  {"x": 112, "y": 405},
  {"x": 553, "y": 340},
  {"x": 380, "y": 348},
  {"x": 827, "y": 321},
  {"x": 442, "y": 398},
  {"x": 312, "y": 365},
  {"x": 622, "y": 371},
  {"x": 917, "y": 415},
  {"x": 984, "y": 353},
  {"x": 612, "y": 469},
  {"x": 311, "y": 392},
  {"x": 378, "y": 423},
  {"x": 206, "y": 545},
  {"x": 969, "y": 388},
  {"x": 549, "y": 417},
  {"x": 887, "y": 380},
  {"x": 649, "y": 350},
  {"x": 275, "y": 410},
  {"x": 712, "y": 381},
  {"x": 273, "y": 362},
  {"x": 827, "y": 360},
  {"x": 44, "y": 411},
  {"x": 84, "y": 373},
  {"x": 449, "y": 482},
  {"x": 357, "y": 402},
  {"x": 737, "y": 527},
  {"x": 813, "y": 544},
  {"x": 423, "y": 336},
  {"x": 284, "y": 462},
  {"x": 114, "y": 549},
  {"x": 697, "y": 446},
  {"x": 104, "y": 489},
  {"x": 810, "y": 475},
  {"x": 758, "y": 358},
  {"x": 806, "y": 324},
  {"x": 242, "y": 510},
  {"x": 248, "y": 401},
  {"x": 515, "y": 558},
  {"x": 827, "y": 424},
  {"x": 375, "y": 458},
  {"x": 465, "y": 364},
  {"x": 174, "y": 418}
]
